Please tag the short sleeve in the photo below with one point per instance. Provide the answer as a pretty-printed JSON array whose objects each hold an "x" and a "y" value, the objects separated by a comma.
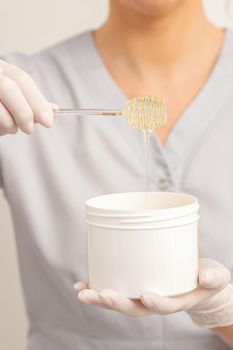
[{"x": 21, "y": 60}]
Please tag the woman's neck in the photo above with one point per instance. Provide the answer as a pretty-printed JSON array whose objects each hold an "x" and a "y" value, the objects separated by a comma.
[
  {"x": 162, "y": 40},
  {"x": 170, "y": 56}
]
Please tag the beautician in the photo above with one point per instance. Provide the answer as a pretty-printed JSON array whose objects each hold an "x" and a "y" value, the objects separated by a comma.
[{"x": 146, "y": 47}]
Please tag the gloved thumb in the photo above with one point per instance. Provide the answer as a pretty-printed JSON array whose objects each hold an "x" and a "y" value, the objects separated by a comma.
[{"x": 213, "y": 275}]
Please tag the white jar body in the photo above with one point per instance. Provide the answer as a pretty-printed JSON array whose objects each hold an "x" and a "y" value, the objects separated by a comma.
[
  {"x": 143, "y": 251},
  {"x": 164, "y": 261}
]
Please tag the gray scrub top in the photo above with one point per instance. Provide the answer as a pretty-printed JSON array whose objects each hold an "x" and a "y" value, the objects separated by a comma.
[{"x": 48, "y": 177}]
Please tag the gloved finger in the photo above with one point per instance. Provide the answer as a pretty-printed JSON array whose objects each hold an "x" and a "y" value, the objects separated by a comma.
[
  {"x": 114, "y": 301},
  {"x": 42, "y": 110},
  {"x": 80, "y": 286},
  {"x": 165, "y": 305},
  {"x": 14, "y": 101},
  {"x": 213, "y": 275},
  {"x": 89, "y": 296},
  {"x": 54, "y": 108},
  {"x": 7, "y": 123},
  {"x": 162, "y": 305}
]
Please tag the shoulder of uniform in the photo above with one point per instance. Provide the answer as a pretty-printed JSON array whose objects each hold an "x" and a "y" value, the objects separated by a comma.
[{"x": 76, "y": 45}]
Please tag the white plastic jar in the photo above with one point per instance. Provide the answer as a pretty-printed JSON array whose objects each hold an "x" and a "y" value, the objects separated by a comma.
[{"x": 134, "y": 250}]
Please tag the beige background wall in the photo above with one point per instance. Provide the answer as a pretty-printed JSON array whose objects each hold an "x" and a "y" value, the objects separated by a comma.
[{"x": 28, "y": 25}]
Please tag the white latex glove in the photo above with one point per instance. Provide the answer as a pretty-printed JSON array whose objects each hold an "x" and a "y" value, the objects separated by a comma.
[
  {"x": 21, "y": 102},
  {"x": 210, "y": 304}
]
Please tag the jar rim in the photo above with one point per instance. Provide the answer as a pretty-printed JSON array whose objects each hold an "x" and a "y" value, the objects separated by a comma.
[{"x": 133, "y": 204}]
